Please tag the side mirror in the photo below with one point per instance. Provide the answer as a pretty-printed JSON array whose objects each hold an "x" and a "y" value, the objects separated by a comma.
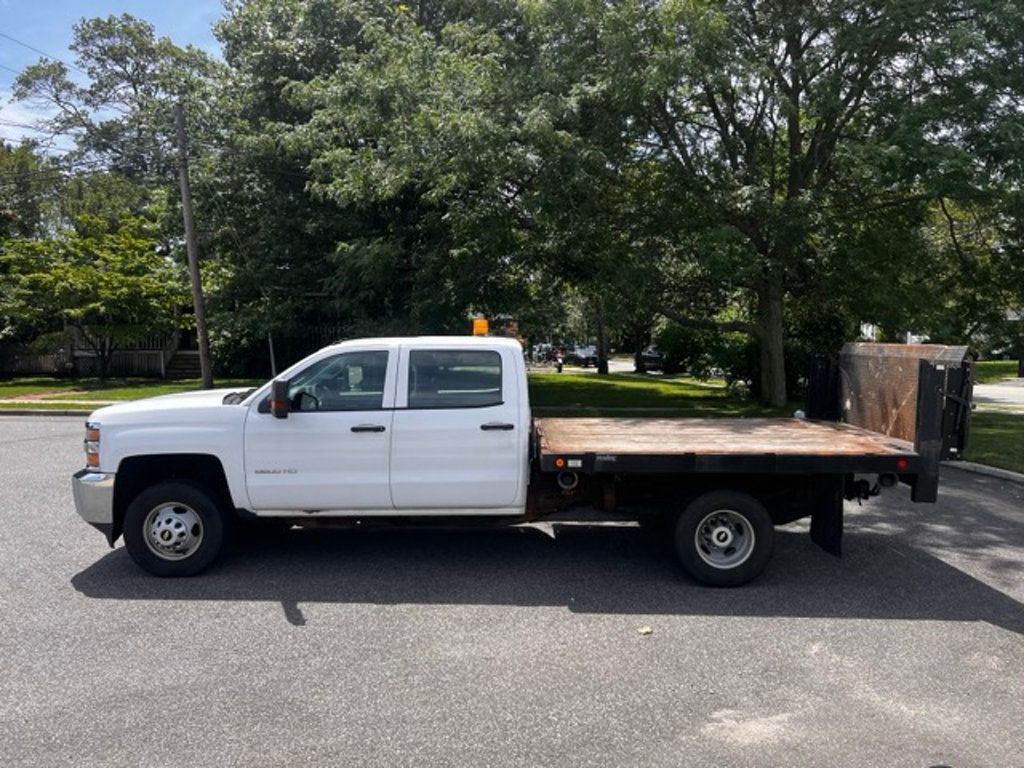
[{"x": 279, "y": 398}]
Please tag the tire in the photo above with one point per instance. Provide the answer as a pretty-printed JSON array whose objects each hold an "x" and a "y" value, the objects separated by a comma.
[
  {"x": 724, "y": 538},
  {"x": 174, "y": 528}
]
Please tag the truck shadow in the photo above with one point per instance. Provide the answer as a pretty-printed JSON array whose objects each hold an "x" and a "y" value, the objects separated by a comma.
[{"x": 585, "y": 568}]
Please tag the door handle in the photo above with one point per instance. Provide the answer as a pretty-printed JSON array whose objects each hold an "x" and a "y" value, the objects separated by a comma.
[
  {"x": 493, "y": 425},
  {"x": 368, "y": 428}
]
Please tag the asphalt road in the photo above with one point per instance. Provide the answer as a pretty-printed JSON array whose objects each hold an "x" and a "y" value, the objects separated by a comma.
[{"x": 511, "y": 647}]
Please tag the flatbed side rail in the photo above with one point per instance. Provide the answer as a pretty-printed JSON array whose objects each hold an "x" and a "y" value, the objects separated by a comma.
[{"x": 729, "y": 463}]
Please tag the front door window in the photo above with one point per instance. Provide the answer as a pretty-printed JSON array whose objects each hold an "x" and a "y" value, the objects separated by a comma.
[{"x": 353, "y": 381}]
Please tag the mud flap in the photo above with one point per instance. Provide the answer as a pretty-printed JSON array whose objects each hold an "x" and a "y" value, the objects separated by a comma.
[
  {"x": 827, "y": 520},
  {"x": 110, "y": 531}
]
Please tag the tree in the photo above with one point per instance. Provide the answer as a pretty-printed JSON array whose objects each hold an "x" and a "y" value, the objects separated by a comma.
[
  {"x": 27, "y": 185},
  {"x": 122, "y": 118},
  {"x": 110, "y": 285},
  {"x": 710, "y": 143},
  {"x": 767, "y": 120},
  {"x": 785, "y": 170},
  {"x": 366, "y": 247}
]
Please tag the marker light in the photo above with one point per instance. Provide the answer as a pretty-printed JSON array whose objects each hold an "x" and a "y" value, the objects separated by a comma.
[{"x": 92, "y": 446}]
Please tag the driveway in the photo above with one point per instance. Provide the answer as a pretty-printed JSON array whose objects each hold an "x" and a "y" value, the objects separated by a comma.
[
  {"x": 514, "y": 647},
  {"x": 1007, "y": 395}
]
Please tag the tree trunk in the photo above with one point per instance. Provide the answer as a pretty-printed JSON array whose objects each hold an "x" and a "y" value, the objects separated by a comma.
[
  {"x": 102, "y": 361},
  {"x": 771, "y": 337},
  {"x": 602, "y": 340},
  {"x": 106, "y": 356},
  {"x": 638, "y": 361}
]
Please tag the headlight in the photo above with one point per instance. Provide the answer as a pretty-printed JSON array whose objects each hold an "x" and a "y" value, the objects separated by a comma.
[{"x": 92, "y": 445}]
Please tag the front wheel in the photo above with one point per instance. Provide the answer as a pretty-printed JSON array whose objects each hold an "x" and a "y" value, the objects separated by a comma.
[
  {"x": 174, "y": 528},
  {"x": 724, "y": 538}
]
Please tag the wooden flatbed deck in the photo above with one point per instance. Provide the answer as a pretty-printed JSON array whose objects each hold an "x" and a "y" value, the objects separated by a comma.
[{"x": 722, "y": 445}]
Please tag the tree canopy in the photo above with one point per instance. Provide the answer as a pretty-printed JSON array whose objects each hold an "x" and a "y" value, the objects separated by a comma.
[
  {"x": 110, "y": 286},
  {"x": 784, "y": 171}
]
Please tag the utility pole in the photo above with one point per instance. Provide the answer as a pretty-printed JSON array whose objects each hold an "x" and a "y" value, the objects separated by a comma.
[{"x": 192, "y": 249}]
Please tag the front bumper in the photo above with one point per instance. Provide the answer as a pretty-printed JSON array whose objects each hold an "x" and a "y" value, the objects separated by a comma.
[{"x": 94, "y": 499}]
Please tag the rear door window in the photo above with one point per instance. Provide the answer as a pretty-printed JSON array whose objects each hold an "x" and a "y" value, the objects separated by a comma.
[{"x": 454, "y": 379}]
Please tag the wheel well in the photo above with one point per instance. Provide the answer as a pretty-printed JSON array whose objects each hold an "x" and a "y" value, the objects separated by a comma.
[{"x": 136, "y": 473}]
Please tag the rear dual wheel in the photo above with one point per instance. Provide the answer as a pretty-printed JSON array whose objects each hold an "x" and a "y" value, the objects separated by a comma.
[{"x": 724, "y": 538}]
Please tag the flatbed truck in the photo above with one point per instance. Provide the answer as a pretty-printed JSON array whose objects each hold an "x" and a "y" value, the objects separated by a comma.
[{"x": 439, "y": 430}]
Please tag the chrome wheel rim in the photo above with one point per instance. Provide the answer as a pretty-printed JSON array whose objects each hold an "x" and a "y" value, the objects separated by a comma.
[
  {"x": 724, "y": 539},
  {"x": 173, "y": 531}
]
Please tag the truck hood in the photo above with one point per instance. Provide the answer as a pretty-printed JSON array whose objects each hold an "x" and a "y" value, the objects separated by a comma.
[{"x": 172, "y": 405}]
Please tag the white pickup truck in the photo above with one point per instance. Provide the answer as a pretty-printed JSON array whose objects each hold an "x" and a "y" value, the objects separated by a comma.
[{"x": 440, "y": 429}]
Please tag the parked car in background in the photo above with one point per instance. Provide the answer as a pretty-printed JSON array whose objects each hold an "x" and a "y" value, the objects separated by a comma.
[
  {"x": 652, "y": 359},
  {"x": 541, "y": 353},
  {"x": 581, "y": 354}
]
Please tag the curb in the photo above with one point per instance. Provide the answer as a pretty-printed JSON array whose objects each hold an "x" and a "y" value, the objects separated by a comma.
[
  {"x": 984, "y": 469},
  {"x": 42, "y": 412}
]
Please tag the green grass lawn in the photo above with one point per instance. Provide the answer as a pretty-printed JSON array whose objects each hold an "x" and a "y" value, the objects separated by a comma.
[
  {"x": 997, "y": 439},
  {"x": 589, "y": 394},
  {"x": 128, "y": 391},
  {"x": 57, "y": 389},
  {"x": 27, "y": 385},
  {"x": 994, "y": 371},
  {"x": 47, "y": 405}
]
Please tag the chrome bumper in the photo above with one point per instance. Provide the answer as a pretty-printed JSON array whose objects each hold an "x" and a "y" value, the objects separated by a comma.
[{"x": 94, "y": 498}]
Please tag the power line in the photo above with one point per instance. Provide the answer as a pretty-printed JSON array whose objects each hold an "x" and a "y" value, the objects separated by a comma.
[
  {"x": 44, "y": 54},
  {"x": 26, "y": 126},
  {"x": 10, "y": 69}
]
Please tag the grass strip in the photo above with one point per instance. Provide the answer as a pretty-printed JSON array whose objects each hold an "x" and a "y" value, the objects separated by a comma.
[{"x": 997, "y": 439}]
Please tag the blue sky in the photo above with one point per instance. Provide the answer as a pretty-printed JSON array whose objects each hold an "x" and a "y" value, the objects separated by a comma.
[{"x": 46, "y": 25}]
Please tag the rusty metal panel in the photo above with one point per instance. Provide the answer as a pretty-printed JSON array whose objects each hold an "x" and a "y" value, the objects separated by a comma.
[{"x": 878, "y": 383}]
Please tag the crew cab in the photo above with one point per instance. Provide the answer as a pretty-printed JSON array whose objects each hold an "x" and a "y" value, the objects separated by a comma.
[{"x": 440, "y": 429}]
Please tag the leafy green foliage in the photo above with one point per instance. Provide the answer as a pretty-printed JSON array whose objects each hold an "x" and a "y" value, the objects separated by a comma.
[
  {"x": 766, "y": 176},
  {"x": 110, "y": 286},
  {"x": 26, "y": 187},
  {"x": 675, "y": 155}
]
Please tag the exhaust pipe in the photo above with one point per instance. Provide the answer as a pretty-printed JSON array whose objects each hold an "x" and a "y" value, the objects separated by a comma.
[{"x": 888, "y": 480}]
